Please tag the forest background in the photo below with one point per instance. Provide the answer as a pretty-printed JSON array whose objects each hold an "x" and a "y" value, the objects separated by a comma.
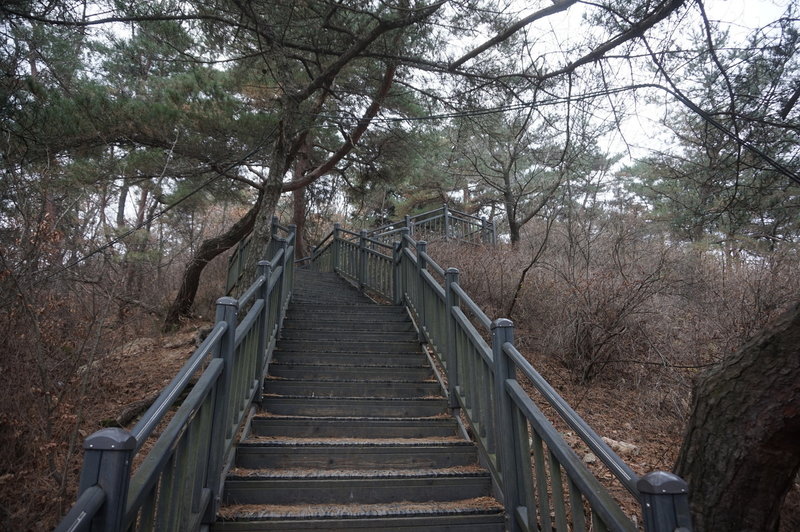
[{"x": 639, "y": 157}]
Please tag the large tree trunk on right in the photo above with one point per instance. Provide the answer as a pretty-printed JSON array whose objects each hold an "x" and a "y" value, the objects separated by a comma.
[{"x": 741, "y": 452}]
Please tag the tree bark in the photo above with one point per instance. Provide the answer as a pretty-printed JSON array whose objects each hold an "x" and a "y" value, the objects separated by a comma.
[
  {"x": 301, "y": 165},
  {"x": 742, "y": 447},
  {"x": 208, "y": 250}
]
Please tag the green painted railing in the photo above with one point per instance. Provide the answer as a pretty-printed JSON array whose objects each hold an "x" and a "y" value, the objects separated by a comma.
[
  {"x": 178, "y": 483},
  {"x": 543, "y": 484}
]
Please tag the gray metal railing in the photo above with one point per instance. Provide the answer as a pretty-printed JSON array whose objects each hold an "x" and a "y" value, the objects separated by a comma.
[
  {"x": 178, "y": 484},
  {"x": 542, "y": 482},
  {"x": 444, "y": 222},
  {"x": 238, "y": 258}
]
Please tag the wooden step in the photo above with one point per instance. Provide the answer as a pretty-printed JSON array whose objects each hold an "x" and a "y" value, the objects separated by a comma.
[
  {"x": 259, "y": 454},
  {"x": 317, "y": 388},
  {"x": 344, "y": 345},
  {"x": 353, "y": 427},
  {"x": 351, "y": 336},
  {"x": 343, "y": 368},
  {"x": 412, "y": 359},
  {"x": 470, "y": 515},
  {"x": 353, "y": 406},
  {"x": 338, "y": 325},
  {"x": 296, "y": 487}
]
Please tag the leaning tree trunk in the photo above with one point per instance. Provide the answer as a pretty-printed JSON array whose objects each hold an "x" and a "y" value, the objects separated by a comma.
[
  {"x": 208, "y": 250},
  {"x": 741, "y": 452}
]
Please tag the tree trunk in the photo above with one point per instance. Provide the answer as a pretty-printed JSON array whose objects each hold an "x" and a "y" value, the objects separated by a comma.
[
  {"x": 208, "y": 250},
  {"x": 302, "y": 165},
  {"x": 299, "y": 220},
  {"x": 742, "y": 447}
]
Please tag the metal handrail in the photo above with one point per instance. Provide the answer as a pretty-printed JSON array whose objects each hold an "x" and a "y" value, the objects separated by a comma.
[
  {"x": 197, "y": 444},
  {"x": 512, "y": 434},
  {"x": 156, "y": 412},
  {"x": 79, "y": 518},
  {"x": 618, "y": 467}
]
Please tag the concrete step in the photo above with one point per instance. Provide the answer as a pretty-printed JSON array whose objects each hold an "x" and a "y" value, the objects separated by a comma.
[
  {"x": 471, "y": 515},
  {"x": 354, "y": 406},
  {"x": 316, "y": 388},
  {"x": 408, "y": 368},
  {"x": 347, "y": 486},
  {"x": 264, "y": 455},
  {"x": 353, "y": 427}
]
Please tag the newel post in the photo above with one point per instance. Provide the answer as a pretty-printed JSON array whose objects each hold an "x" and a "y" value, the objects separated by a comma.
[
  {"x": 222, "y": 425},
  {"x": 265, "y": 270},
  {"x": 282, "y": 284},
  {"x": 446, "y": 214},
  {"x": 362, "y": 259},
  {"x": 506, "y": 423},
  {"x": 419, "y": 304},
  {"x": 451, "y": 280},
  {"x": 107, "y": 464},
  {"x": 397, "y": 268},
  {"x": 409, "y": 225},
  {"x": 335, "y": 247},
  {"x": 665, "y": 502},
  {"x": 292, "y": 253}
]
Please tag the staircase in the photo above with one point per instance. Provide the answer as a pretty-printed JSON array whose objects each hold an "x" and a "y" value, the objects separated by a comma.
[{"x": 353, "y": 431}]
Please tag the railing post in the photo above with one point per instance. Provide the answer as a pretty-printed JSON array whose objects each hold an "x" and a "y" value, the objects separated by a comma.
[
  {"x": 422, "y": 247},
  {"x": 362, "y": 259},
  {"x": 265, "y": 269},
  {"x": 107, "y": 463},
  {"x": 227, "y": 309},
  {"x": 446, "y": 214},
  {"x": 494, "y": 233},
  {"x": 409, "y": 225},
  {"x": 335, "y": 247},
  {"x": 486, "y": 235},
  {"x": 274, "y": 225},
  {"x": 450, "y": 279},
  {"x": 284, "y": 245},
  {"x": 665, "y": 502},
  {"x": 397, "y": 271},
  {"x": 506, "y": 431}
]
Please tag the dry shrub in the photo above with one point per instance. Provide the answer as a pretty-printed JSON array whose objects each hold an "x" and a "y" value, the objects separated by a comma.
[
  {"x": 608, "y": 300},
  {"x": 58, "y": 327}
]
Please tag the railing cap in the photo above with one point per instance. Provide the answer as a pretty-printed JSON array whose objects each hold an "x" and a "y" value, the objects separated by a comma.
[
  {"x": 228, "y": 301},
  {"x": 502, "y": 322},
  {"x": 451, "y": 271},
  {"x": 661, "y": 483},
  {"x": 110, "y": 439}
]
